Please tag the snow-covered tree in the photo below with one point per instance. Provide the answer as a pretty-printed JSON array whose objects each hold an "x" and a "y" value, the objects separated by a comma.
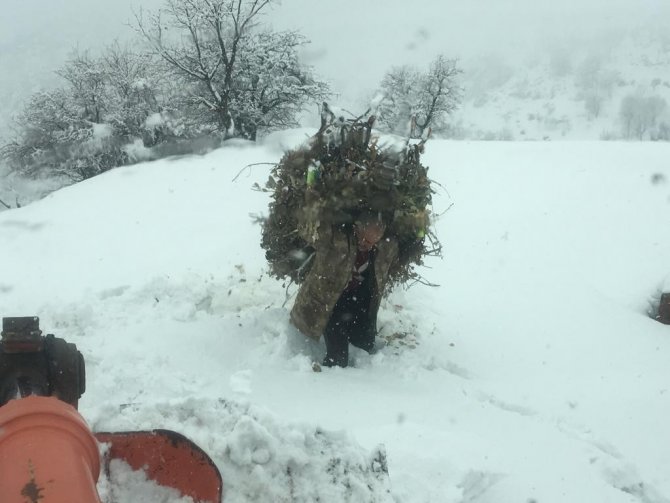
[
  {"x": 135, "y": 89},
  {"x": 270, "y": 85},
  {"x": 49, "y": 121},
  {"x": 86, "y": 78},
  {"x": 239, "y": 78},
  {"x": 211, "y": 73},
  {"x": 80, "y": 129},
  {"x": 414, "y": 101}
]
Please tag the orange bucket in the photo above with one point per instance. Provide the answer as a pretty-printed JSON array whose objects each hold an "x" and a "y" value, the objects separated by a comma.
[{"x": 47, "y": 453}]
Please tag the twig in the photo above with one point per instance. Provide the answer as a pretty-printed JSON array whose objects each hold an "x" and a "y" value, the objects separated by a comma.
[
  {"x": 358, "y": 119},
  {"x": 435, "y": 252},
  {"x": 288, "y": 297},
  {"x": 355, "y": 165},
  {"x": 5, "y": 204},
  {"x": 441, "y": 186},
  {"x": 422, "y": 281},
  {"x": 256, "y": 218},
  {"x": 437, "y": 246},
  {"x": 305, "y": 263},
  {"x": 254, "y": 164},
  {"x": 448, "y": 208}
]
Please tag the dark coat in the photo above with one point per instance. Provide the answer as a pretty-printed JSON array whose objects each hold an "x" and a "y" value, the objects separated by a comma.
[{"x": 331, "y": 272}]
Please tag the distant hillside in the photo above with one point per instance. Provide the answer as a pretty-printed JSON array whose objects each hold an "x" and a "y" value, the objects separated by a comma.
[{"x": 618, "y": 88}]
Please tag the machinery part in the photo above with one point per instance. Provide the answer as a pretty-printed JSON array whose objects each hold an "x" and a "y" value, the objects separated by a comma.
[
  {"x": 167, "y": 458},
  {"x": 47, "y": 453},
  {"x": 31, "y": 364}
]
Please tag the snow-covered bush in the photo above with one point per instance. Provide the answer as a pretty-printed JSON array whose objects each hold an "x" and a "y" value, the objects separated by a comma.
[
  {"x": 640, "y": 116},
  {"x": 49, "y": 124},
  {"x": 595, "y": 84},
  {"x": 662, "y": 131},
  {"x": 80, "y": 129}
]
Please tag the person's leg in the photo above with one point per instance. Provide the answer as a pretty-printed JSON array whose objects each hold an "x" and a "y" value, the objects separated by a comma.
[
  {"x": 337, "y": 332},
  {"x": 363, "y": 325},
  {"x": 337, "y": 347},
  {"x": 362, "y": 334}
]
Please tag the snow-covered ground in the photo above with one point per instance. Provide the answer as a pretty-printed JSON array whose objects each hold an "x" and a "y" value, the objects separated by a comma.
[{"x": 533, "y": 373}]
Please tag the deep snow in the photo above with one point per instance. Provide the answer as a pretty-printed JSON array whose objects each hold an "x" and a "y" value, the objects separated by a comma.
[{"x": 532, "y": 373}]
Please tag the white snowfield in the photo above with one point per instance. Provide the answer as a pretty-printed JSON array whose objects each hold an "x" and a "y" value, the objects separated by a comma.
[{"x": 532, "y": 373}]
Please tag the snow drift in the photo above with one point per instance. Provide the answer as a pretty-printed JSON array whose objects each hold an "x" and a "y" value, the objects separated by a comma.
[{"x": 532, "y": 373}]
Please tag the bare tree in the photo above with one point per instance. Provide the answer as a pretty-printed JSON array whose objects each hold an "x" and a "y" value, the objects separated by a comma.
[
  {"x": 205, "y": 49},
  {"x": 415, "y": 101}
]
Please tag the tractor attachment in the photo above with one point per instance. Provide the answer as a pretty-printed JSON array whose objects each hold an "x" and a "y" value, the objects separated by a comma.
[
  {"x": 168, "y": 458},
  {"x": 48, "y": 454}
]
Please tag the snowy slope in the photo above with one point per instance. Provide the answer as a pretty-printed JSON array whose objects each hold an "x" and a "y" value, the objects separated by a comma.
[
  {"x": 532, "y": 373},
  {"x": 542, "y": 93}
]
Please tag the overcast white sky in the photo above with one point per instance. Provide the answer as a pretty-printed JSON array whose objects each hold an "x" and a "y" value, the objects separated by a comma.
[{"x": 353, "y": 41}]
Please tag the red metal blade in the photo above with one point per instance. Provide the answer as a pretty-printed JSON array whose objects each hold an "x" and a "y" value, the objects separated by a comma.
[{"x": 169, "y": 459}]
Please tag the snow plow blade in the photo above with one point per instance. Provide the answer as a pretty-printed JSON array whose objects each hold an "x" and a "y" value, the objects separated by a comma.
[{"x": 169, "y": 459}]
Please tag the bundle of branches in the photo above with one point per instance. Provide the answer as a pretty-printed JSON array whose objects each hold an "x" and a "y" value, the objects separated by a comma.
[{"x": 342, "y": 172}]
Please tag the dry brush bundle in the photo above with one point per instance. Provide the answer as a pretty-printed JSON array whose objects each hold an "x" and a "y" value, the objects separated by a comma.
[{"x": 340, "y": 173}]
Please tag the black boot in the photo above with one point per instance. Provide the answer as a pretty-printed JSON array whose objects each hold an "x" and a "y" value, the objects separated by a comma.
[{"x": 337, "y": 347}]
